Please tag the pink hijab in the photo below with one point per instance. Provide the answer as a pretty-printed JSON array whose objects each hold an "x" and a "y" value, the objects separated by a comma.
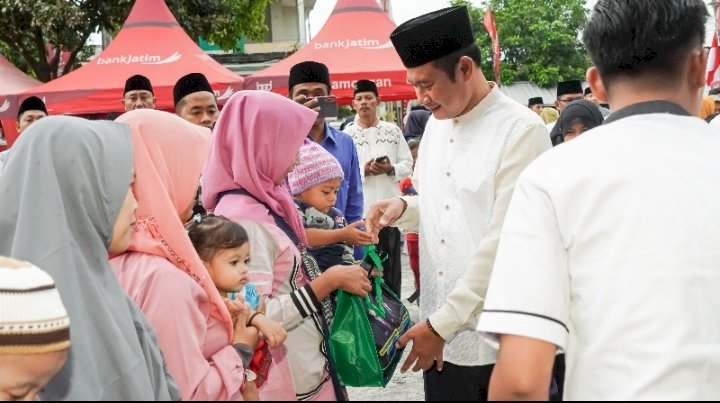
[
  {"x": 169, "y": 153},
  {"x": 256, "y": 139}
]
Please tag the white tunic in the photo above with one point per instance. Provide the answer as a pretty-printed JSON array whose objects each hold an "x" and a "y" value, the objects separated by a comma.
[
  {"x": 616, "y": 259},
  {"x": 465, "y": 175},
  {"x": 383, "y": 139}
]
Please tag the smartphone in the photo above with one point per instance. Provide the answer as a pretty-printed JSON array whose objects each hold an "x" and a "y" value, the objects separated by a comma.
[
  {"x": 328, "y": 106},
  {"x": 380, "y": 159}
]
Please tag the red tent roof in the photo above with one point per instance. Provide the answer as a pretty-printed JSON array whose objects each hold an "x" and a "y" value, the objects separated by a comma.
[
  {"x": 355, "y": 44},
  {"x": 12, "y": 80},
  {"x": 151, "y": 43}
]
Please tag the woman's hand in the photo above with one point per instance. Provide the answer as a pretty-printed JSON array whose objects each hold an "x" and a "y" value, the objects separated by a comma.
[{"x": 242, "y": 333}]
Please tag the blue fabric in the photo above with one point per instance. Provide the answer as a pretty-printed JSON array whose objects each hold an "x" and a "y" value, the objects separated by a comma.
[{"x": 350, "y": 196}]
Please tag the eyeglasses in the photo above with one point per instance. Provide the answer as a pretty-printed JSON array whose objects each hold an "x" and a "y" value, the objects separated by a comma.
[{"x": 570, "y": 99}]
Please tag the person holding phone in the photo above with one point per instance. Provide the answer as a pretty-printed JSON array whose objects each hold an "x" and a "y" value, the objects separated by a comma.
[
  {"x": 309, "y": 84},
  {"x": 387, "y": 160}
]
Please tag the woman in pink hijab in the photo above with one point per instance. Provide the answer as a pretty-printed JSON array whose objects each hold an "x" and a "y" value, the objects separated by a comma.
[
  {"x": 255, "y": 145},
  {"x": 162, "y": 273}
]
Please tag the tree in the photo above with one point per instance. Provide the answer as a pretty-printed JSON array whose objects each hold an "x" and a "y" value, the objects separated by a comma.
[
  {"x": 539, "y": 43},
  {"x": 33, "y": 27}
]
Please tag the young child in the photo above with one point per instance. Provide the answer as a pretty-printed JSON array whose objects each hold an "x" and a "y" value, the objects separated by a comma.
[
  {"x": 315, "y": 183},
  {"x": 224, "y": 247},
  {"x": 34, "y": 330}
]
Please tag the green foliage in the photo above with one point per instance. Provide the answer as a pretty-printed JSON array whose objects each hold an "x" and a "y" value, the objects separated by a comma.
[
  {"x": 28, "y": 26},
  {"x": 538, "y": 42}
]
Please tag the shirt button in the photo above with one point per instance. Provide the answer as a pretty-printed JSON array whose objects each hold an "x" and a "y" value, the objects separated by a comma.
[
  {"x": 456, "y": 120},
  {"x": 440, "y": 273},
  {"x": 447, "y": 173},
  {"x": 447, "y": 207},
  {"x": 452, "y": 141},
  {"x": 442, "y": 241}
]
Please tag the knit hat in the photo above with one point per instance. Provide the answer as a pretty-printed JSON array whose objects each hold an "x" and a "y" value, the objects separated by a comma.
[
  {"x": 316, "y": 166},
  {"x": 33, "y": 319}
]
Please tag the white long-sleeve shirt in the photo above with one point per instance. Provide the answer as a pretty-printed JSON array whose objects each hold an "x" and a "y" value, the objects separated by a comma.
[
  {"x": 383, "y": 139},
  {"x": 465, "y": 175}
]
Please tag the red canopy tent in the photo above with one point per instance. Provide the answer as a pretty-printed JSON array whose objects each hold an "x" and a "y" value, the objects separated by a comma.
[
  {"x": 355, "y": 44},
  {"x": 12, "y": 81},
  {"x": 151, "y": 43}
]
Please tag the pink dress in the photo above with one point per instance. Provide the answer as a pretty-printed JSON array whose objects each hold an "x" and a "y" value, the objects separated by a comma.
[{"x": 195, "y": 345}]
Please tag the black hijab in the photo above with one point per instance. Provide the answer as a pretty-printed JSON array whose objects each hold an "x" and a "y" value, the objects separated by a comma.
[{"x": 580, "y": 111}]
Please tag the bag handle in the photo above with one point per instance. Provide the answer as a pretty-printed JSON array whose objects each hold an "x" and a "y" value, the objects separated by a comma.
[{"x": 378, "y": 308}]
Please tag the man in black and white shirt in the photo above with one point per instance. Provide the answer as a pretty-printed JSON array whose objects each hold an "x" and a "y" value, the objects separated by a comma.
[{"x": 614, "y": 258}]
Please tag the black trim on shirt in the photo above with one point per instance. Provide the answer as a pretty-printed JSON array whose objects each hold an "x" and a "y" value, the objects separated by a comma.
[
  {"x": 529, "y": 314},
  {"x": 644, "y": 108}
]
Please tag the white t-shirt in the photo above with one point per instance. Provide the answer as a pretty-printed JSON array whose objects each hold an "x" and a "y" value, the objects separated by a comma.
[{"x": 611, "y": 250}]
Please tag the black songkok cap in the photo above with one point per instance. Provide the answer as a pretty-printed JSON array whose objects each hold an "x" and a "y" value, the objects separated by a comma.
[
  {"x": 588, "y": 90},
  {"x": 190, "y": 84},
  {"x": 432, "y": 36},
  {"x": 32, "y": 104},
  {"x": 569, "y": 87},
  {"x": 365, "y": 86},
  {"x": 138, "y": 82},
  {"x": 535, "y": 101},
  {"x": 309, "y": 72}
]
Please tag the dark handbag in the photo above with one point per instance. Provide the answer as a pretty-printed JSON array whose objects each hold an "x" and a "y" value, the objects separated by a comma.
[{"x": 365, "y": 330}]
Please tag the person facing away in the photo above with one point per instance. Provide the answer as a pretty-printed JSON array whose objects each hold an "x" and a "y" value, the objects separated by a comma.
[
  {"x": 536, "y": 104},
  {"x": 579, "y": 117},
  {"x": 224, "y": 248},
  {"x": 615, "y": 261},
  {"x": 162, "y": 273},
  {"x": 254, "y": 147},
  {"x": 34, "y": 330},
  {"x": 65, "y": 212},
  {"x": 464, "y": 182},
  {"x": 138, "y": 93},
  {"x": 315, "y": 183},
  {"x": 386, "y": 159},
  {"x": 31, "y": 110},
  {"x": 312, "y": 79}
]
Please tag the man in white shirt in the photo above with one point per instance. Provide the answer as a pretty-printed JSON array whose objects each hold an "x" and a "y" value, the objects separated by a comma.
[
  {"x": 475, "y": 145},
  {"x": 614, "y": 259},
  {"x": 385, "y": 159}
]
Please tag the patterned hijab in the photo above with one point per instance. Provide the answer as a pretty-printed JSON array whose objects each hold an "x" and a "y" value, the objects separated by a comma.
[
  {"x": 255, "y": 141},
  {"x": 169, "y": 155},
  {"x": 60, "y": 193}
]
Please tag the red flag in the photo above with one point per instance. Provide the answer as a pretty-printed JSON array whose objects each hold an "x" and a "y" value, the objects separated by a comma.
[
  {"x": 713, "y": 63},
  {"x": 489, "y": 22}
]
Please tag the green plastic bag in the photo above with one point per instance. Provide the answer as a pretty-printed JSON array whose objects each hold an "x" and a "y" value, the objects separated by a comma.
[{"x": 364, "y": 332}]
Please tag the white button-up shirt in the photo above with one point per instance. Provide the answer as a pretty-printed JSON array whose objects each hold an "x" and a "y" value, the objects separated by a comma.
[
  {"x": 383, "y": 139},
  {"x": 465, "y": 175}
]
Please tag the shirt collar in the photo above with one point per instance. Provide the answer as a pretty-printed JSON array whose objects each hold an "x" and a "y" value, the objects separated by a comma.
[
  {"x": 644, "y": 108},
  {"x": 489, "y": 100},
  {"x": 329, "y": 135}
]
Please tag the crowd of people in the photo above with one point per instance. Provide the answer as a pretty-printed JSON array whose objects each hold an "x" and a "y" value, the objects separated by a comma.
[{"x": 194, "y": 255}]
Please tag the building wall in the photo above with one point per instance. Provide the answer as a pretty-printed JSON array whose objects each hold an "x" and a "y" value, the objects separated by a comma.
[{"x": 281, "y": 17}]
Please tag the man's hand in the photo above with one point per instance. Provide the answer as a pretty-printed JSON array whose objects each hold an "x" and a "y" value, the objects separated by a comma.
[
  {"x": 353, "y": 236},
  {"x": 384, "y": 167},
  {"x": 427, "y": 348},
  {"x": 382, "y": 214},
  {"x": 311, "y": 103}
]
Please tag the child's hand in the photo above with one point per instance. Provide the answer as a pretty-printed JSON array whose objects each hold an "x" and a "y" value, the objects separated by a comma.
[
  {"x": 353, "y": 236},
  {"x": 261, "y": 304},
  {"x": 249, "y": 391},
  {"x": 240, "y": 311},
  {"x": 273, "y": 331}
]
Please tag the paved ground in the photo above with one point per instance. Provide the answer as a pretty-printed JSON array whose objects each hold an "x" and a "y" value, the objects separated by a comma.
[{"x": 402, "y": 387}]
